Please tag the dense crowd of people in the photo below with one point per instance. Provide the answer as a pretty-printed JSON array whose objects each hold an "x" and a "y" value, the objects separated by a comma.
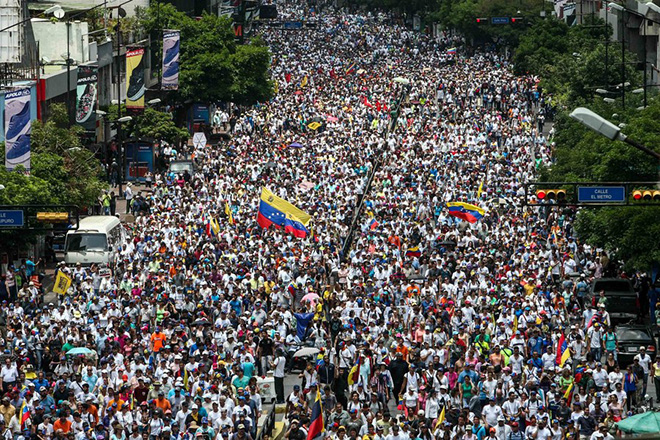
[{"x": 429, "y": 327}]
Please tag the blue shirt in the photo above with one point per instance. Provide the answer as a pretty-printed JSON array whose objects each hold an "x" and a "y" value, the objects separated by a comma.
[{"x": 479, "y": 431}]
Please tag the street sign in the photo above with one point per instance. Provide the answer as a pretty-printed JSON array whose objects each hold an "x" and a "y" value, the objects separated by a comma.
[
  {"x": 499, "y": 20},
  {"x": 601, "y": 194},
  {"x": 199, "y": 140},
  {"x": 11, "y": 219}
]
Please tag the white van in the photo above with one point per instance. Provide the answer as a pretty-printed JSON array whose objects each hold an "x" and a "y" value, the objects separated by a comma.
[{"x": 96, "y": 240}]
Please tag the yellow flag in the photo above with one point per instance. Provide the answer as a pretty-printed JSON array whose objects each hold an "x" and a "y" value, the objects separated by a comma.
[
  {"x": 230, "y": 217},
  {"x": 185, "y": 378},
  {"x": 515, "y": 324},
  {"x": 569, "y": 391},
  {"x": 304, "y": 81},
  {"x": 441, "y": 418},
  {"x": 62, "y": 283},
  {"x": 215, "y": 227},
  {"x": 481, "y": 188}
]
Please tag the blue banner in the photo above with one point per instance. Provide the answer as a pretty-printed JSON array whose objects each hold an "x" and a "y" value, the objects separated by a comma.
[
  {"x": 170, "y": 77},
  {"x": 302, "y": 322},
  {"x": 18, "y": 126}
]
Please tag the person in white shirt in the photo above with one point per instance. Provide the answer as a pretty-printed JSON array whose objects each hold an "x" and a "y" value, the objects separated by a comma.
[
  {"x": 278, "y": 365},
  {"x": 492, "y": 412},
  {"x": 645, "y": 361},
  {"x": 543, "y": 433},
  {"x": 511, "y": 408},
  {"x": 9, "y": 373},
  {"x": 601, "y": 433},
  {"x": 600, "y": 376},
  {"x": 615, "y": 377},
  {"x": 502, "y": 430}
]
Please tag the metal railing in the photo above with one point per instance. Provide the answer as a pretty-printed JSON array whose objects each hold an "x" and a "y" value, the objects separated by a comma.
[
  {"x": 376, "y": 165},
  {"x": 268, "y": 425}
]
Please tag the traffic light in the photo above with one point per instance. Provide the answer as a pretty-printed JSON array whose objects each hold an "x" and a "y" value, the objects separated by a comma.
[
  {"x": 53, "y": 217},
  {"x": 551, "y": 194},
  {"x": 482, "y": 20},
  {"x": 646, "y": 195}
]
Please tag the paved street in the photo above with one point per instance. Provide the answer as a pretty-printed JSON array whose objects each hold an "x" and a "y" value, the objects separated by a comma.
[{"x": 401, "y": 181}]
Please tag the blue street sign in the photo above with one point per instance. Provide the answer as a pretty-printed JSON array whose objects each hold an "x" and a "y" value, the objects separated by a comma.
[
  {"x": 499, "y": 20},
  {"x": 601, "y": 194},
  {"x": 12, "y": 219}
]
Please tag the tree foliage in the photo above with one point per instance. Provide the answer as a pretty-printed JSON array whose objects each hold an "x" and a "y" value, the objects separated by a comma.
[
  {"x": 572, "y": 62},
  {"x": 159, "y": 126},
  {"x": 62, "y": 172},
  {"x": 212, "y": 66},
  {"x": 151, "y": 123},
  {"x": 581, "y": 155}
]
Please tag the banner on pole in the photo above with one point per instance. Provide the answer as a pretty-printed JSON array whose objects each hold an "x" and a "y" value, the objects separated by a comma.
[
  {"x": 18, "y": 126},
  {"x": 86, "y": 97},
  {"x": 135, "y": 78},
  {"x": 170, "y": 77}
]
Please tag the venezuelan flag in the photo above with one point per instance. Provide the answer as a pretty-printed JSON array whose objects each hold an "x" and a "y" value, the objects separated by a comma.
[
  {"x": 413, "y": 252},
  {"x": 373, "y": 224},
  {"x": 354, "y": 374},
  {"x": 350, "y": 69},
  {"x": 451, "y": 51},
  {"x": 25, "y": 414},
  {"x": 316, "y": 427},
  {"x": 563, "y": 353},
  {"x": 282, "y": 214},
  {"x": 465, "y": 211}
]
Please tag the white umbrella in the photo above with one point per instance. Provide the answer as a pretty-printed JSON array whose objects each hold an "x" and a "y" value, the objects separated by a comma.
[{"x": 306, "y": 351}]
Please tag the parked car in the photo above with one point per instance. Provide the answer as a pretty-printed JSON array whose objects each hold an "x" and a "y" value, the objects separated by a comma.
[
  {"x": 630, "y": 338},
  {"x": 621, "y": 297}
]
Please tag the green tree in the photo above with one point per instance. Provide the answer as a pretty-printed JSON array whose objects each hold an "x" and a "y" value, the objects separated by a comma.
[
  {"x": 541, "y": 46},
  {"x": 212, "y": 66},
  {"x": 581, "y": 155},
  {"x": 159, "y": 126},
  {"x": 151, "y": 123},
  {"x": 62, "y": 172},
  {"x": 630, "y": 232}
]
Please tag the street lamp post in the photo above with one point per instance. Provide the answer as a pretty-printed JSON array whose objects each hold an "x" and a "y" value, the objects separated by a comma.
[
  {"x": 602, "y": 126},
  {"x": 621, "y": 9},
  {"x": 120, "y": 148},
  {"x": 645, "y": 19},
  {"x": 68, "y": 72},
  {"x": 118, "y": 78}
]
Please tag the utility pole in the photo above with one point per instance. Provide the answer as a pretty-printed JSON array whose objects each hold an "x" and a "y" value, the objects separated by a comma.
[
  {"x": 623, "y": 58},
  {"x": 120, "y": 150},
  {"x": 68, "y": 72}
]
